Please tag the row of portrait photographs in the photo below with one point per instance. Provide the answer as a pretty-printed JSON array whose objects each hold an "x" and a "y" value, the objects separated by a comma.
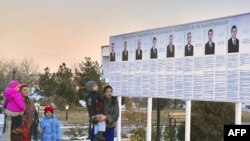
[{"x": 233, "y": 46}]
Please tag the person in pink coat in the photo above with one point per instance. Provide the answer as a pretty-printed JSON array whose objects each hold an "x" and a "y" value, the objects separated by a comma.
[{"x": 13, "y": 102}]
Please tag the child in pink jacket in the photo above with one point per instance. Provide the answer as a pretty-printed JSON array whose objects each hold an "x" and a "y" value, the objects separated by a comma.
[{"x": 13, "y": 102}]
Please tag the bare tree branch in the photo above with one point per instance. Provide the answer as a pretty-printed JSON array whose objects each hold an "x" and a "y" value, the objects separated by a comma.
[{"x": 28, "y": 67}]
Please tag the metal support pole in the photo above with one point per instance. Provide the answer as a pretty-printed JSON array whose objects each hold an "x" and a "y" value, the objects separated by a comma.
[
  {"x": 158, "y": 124},
  {"x": 149, "y": 119},
  {"x": 238, "y": 113},
  {"x": 119, "y": 122},
  {"x": 188, "y": 120}
]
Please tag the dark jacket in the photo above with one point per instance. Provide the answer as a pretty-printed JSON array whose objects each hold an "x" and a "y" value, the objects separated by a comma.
[
  {"x": 138, "y": 56},
  {"x": 169, "y": 53},
  {"x": 95, "y": 103},
  {"x": 125, "y": 55},
  {"x": 153, "y": 54},
  {"x": 34, "y": 126},
  {"x": 112, "y": 111},
  {"x": 209, "y": 49},
  {"x": 232, "y": 47},
  {"x": 112, "y": 57},
  {"x": 189, "y": 52}
]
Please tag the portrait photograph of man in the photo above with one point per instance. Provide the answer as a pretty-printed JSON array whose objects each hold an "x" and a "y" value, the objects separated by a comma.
[
  {"x": 125, "y": 52},
  {"x": 233, "y": 42},
  {"x": 189, "y": 48},
  {"x": 170, "y": 47},
  {"x": 138, "y": 51},
  {"x": 153, "y": 51},
  {"x": 210, "y": 45},
  {"x": 112, "y": 53}
]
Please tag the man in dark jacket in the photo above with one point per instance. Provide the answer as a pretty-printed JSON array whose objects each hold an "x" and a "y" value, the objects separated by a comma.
[
  {"x": 138, "y": 51},
  {"x": 153, "y": 51},
  {"x": 189, "y": 48},
  {"x": 210, "y": 45},
  {"x": 125, "y": 52},
  {"x": 112, "y": 53},
  {"x": 233, "y": 42},
  {"x": 170, "y": 47}
]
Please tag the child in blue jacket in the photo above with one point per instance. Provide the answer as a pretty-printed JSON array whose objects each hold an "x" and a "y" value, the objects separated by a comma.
[{"x": 49, "y": 125}]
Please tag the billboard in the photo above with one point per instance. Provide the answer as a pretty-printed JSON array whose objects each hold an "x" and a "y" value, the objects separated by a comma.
[{"x": 207, "y": 60}]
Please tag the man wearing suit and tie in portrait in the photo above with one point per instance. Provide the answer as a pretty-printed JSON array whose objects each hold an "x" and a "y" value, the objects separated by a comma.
[
  {"x": 125, "y": 52},
  {"x": 138, "y": 51},
  {"x": 112, "y": 53},
  {"x": 210, "y": 45},
  {"x": 189, "y": 48},
  {"x": 233, "y": 42},
  {"x": 153, "y": 52},
  {"x": 170, "y": 47}
]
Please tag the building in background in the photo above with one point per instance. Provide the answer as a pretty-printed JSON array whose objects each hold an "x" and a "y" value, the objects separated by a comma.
[{"x": 105, "y": 52}]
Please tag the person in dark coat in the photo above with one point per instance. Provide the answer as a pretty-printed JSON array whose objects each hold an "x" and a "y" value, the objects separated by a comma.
[
  {"x": 95, "y": 106},
  {"x": 138, "y": 51},
  {"x": 233, "y": 42},
  {"x": 170, "y": 47},
  {"x": 210, "y": 45},
  {"x": 153, "y": 51},
  {"x": 189, "y": 48},
  {"x": 125, "y": 52},
  {"x": 112, "y": 53}
]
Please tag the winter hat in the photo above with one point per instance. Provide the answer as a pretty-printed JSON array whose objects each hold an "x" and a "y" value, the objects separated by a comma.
[
  {"x": 48, "y": 108},
  {"x": 13, "y": 84},
  {"x": 90, "y": 85}
]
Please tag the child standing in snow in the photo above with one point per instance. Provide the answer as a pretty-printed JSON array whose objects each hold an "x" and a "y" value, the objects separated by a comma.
[{"x": 49, "y": 125}]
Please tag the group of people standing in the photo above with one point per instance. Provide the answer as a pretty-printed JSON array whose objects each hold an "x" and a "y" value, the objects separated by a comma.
[
  {"x": 21, "y": 117},
  {"x": 103, "y": 111},
  {"x": 22, "y": 121}
]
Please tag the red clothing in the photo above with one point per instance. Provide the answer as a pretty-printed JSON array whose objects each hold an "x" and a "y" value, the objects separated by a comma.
[
  {"x": 28, "y": 119},
  {"x": 26, "y": 131}
]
